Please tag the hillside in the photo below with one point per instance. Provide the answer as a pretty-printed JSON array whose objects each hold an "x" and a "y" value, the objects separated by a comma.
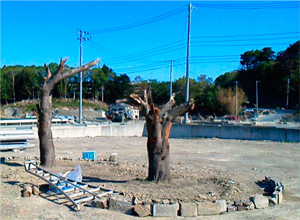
[{"x": 60, "y": 106}]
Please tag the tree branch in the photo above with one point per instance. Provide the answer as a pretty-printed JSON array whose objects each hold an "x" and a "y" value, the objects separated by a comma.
[
  {"x": 60, "y": 75},
  {"x": 146, "y": 98},
  {"x": 141, "y": 102},
  {"x": 166, "y": 107},
  {"x": 180, "y": 110},
  {"x": 49, "y": 74},
  {"x": 61, "y": 66}
]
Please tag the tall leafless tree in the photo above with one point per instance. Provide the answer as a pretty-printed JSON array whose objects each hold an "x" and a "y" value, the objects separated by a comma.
[
  {"x": 44, "y": 109},
  {"x": 159, "y": 122}
]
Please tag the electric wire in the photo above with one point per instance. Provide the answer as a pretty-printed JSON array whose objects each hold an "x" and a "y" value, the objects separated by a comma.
[
  {"x": 157, "y": 67},
  {"x": 141, "y": 23},
  {"x": 260, "y": 39},
  {"x": 101, "y": 48},
  {"x": 253, "y": 5},
  {"x": 237, "y": 45},
  {"x": 248, "y": 35}
]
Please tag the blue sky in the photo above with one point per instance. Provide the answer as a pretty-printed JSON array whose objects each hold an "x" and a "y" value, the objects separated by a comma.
[{"x": 38, "y": 32}]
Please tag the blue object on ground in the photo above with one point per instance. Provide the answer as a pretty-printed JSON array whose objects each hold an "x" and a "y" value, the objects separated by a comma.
[{"x": 91, "y": 155}]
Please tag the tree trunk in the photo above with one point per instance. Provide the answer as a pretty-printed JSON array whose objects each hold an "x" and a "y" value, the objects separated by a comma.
[
  {"x": 158, "y": 148},
  {"x": 44, "y": 109},
  {"x": 47, "y": 151},
  {"x": 158, "y": 123}
]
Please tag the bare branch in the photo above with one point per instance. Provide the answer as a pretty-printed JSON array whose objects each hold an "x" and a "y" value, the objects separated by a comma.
[
  {"x": 140, "y": 101},
  {"x": 146, "y": 97},
  {"x": 180, "y": 110},
  {"x": 166, "y": 107},
  {"x": 49, "y": 74},
  {"x": 61, "y": 66},
  {"x": 60, "y": 75}
]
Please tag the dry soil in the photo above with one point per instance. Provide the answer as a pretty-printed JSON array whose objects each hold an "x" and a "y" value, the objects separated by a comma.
[{"x": 202, "y": 169}]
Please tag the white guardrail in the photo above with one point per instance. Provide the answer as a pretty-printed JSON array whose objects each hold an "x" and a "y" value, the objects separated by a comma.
[
  {"x": 33, "y": 121},
  {"x": 15, "y": 139}
]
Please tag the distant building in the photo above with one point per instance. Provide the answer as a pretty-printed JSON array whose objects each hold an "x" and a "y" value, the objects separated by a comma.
[{"x": 120, "y": 112}]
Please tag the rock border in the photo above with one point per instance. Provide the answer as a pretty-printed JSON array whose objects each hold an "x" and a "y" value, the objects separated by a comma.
[{"x": 168, "y": 208}]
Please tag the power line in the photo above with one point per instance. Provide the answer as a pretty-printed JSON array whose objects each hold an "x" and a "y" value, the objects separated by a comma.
[
  {"x": 235, "y": 45},
  {"x": 254, "y": 5},
  {"x": 180, "y": 61},
  {"x": 248, "y": 35},
  {"x": 177, "y": 45},
  {"x": 257, "y": 39},
  {"x": 147, "y": 68},
  {"x": 141, "y": 23},
  {"x": 102, "y": 48}
]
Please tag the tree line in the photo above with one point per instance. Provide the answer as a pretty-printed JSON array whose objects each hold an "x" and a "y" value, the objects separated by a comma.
[
  {"x": 277, "y": 76},
  {"x": 271, "y": 70}
]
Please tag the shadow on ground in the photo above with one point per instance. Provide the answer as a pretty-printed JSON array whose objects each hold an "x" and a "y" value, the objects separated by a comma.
[{"x": 13, "y": 164}]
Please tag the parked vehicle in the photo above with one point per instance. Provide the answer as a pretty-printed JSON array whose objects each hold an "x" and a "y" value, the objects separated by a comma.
[{"x": 121, "y": 112}]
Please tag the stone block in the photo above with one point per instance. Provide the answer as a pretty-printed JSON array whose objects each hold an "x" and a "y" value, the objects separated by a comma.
[
  {"x": 100, "y": 203},
  {"x": 163, "y": 210},
  {"x": 223, "y": 205},
  {"x": 205, "y": 208},
  {"x": 231, "y": 208},
  {"x": 113, "y": 157},
  {"x": 260, "y": 201},
  {"x": 142, "y": 210},
  {"x": 188, "y": 209},
  {"x": 241, "y": 208},
  {"x": 247, "y": 203},
  {"x": 238, "y": 203},
  {"x": 119, "y": 204}
]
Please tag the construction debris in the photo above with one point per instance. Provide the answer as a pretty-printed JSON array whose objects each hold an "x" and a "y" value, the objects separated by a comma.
[
  {"x": 27, "y": 191},
  {"x": 76, "y": 192},
  {"x": 35, "y": 190}
]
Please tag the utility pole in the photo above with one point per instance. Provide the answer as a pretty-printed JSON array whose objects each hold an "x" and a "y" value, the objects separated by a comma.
[
  {"x": 187, "y": 61},
  {"x": 83, "y": 36},
  {"x": 171, "y": 77},
  {"x": 287, "y": 93},
  {"x": 236, "y": 99},
  {"x": 257, "y": 97}
]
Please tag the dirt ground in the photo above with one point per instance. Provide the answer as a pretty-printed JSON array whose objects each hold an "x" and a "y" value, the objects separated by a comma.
[{"x": 202, "y": 169}]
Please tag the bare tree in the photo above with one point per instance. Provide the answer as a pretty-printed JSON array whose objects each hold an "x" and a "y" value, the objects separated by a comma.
[
  {"x": 44, "y": 109},
  {"x": 159, "y": 122}
]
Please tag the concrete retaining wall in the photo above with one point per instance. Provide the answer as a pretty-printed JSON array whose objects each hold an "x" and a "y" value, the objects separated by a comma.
[
  {"x": 69, "y": 131},
  {"x": 234, "y": 132},
  {"x": 179, "y": 131}
]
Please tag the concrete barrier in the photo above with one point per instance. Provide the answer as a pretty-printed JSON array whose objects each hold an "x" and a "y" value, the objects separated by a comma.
[
  {"x": 114, "y": 129},
  {"x": 235, "y": 132},
  {"x": 138, "y": 128}
]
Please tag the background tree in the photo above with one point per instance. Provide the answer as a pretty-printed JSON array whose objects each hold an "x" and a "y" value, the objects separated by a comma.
[
  {"x": 44, "y": 114},
  {"x": 118, "y": 87},
  {"x": 226, "y": 98},
  {"x": 273, "y": 70}
]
